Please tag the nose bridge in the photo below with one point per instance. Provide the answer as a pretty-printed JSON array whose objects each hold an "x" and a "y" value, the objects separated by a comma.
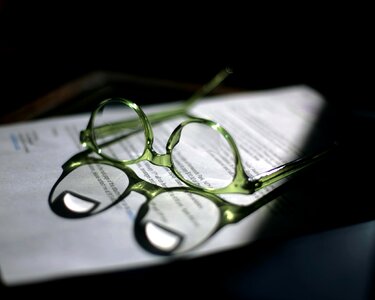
[{"x": 163, "y": 160}]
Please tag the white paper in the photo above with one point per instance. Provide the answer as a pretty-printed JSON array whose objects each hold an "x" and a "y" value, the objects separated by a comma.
[{"x": 270, "y": 128}]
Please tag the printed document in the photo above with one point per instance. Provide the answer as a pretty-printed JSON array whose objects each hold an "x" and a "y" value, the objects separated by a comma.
[{"x": 269, "y": 127}]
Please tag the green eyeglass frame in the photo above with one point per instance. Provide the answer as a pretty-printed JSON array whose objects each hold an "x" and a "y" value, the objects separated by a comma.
[{"x": 241, "y": 183}]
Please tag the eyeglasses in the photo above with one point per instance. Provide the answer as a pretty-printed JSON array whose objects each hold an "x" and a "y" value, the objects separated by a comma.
[
  {"x": 119, "y": 131},
  {"x": 199, "y": 152}
]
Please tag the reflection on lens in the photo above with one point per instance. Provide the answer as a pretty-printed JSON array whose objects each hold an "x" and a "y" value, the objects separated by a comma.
[
  {"x": 204, "y": 157},
  {"x": 87, "y": 190},
  {"x": 119, "y": 132},
  {"x": 175, "y": 222}
]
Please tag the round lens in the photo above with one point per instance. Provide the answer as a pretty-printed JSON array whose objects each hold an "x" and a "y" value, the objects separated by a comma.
[
  {"x": 176, "y": 222},
  {"x": 204, "y": 157},
  {"x": 87, "y": 190},
  {"x": 118, "y": 132}
]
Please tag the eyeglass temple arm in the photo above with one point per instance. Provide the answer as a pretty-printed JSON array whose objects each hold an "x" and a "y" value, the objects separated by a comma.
[
  {"x": 209, "y": 86},
  {"x": 101, "y": 131},
  {"x": 267, "y": 178},
  {"x": 112, "y": 128},
  {"x": 203, "y": 91}
]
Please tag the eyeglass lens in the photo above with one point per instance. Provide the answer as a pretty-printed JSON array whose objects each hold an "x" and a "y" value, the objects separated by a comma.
[{"x": 117, "y": 138}]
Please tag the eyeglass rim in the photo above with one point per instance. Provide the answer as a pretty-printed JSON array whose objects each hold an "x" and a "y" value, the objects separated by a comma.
[
  {"x": 237, "y": 183},
  {"x": 241, "y": 182},
  {"x": 239, "y": 174},
  {"x": 91, "y": 141}
]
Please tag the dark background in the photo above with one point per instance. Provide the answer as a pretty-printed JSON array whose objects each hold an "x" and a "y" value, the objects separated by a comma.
[{"x": 43, "y": 47}]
